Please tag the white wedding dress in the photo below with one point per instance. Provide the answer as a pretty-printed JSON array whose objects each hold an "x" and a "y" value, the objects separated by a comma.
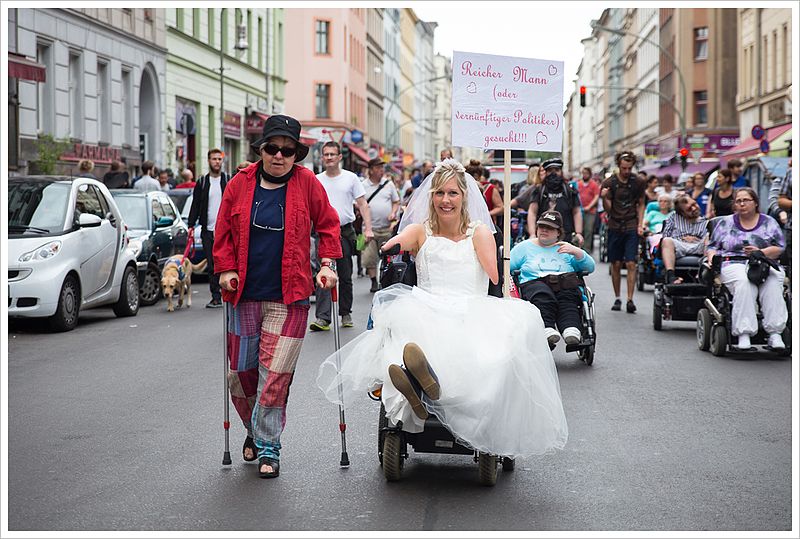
[{"x": 499, "y": 385}]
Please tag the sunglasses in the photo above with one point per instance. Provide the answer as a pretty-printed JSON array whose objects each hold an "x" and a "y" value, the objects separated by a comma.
[{"x": 273, "y": 149}]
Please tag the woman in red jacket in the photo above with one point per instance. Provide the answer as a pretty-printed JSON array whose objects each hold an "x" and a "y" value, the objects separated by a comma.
[{"x": 262, "y": 239}]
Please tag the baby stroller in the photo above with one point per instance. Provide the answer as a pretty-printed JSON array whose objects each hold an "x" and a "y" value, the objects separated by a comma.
[
  {"x": 393, "y": 441},
  {"x": 586, "y": 347},
  {"x": 714, "y": 318}
]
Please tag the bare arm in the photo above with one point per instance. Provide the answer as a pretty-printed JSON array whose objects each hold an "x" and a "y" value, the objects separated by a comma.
[
  {"x": 486, "y": 250},
  {"x": 363, "y": 207},
  {"x": 497, "y": 202},
  {"x": 532, "y": 211},
  {"x": 410, "y": 239}
]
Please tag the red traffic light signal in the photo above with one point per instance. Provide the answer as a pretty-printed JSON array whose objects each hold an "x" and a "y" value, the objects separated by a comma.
[
  {"x": 583, "y": 96},
  {"x": 684, "y": 152}
]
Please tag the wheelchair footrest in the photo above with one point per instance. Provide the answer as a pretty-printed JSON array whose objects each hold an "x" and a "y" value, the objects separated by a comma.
[{"x": 581, "y": 345}]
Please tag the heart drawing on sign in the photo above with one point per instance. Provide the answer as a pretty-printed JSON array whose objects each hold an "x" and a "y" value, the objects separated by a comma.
[
  {"x": 541, "y": 138},
  {"x": 472, "y": 88},
  {"x": 552, "y": 70}
]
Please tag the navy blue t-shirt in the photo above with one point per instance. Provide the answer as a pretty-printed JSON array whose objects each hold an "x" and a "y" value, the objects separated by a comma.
[{"x": 267, "y": 223}]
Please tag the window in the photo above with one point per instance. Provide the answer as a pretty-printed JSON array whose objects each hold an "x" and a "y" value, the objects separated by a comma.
[
  {"x": 279, "y": 56},
  {"x": 774, "y": 59},
  {"x": 212, "y": 130},
  {"x": 211, "y": 33},
  {"x": 701, "y": 107},
  {"x": 249, "y": 33},
  {"x": 103, "y": 103},
  {"x": 701, "y": 43},
  {"x": 323, "y": 95},
  {"x": 322, "y": 44},
  {"x": 44, "y": 108},
  {"x": 75, "y": 95},
  {"x": 87, "y": 201},
  {"x": 179, "y": 18},
  {"x": 260, "y": 43},
  {"x": 784, "y": 64},
  {"x": 158, "y": 211},
  {"x": 127, "y": 107},
  {"x": 224, "y": 30}
]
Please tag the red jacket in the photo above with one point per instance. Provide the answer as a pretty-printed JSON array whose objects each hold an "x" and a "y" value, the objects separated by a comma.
[{"x": 306, "y": 202}]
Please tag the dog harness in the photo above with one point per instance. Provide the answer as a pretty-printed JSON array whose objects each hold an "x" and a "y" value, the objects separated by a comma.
[{"x": 177, "y": 262}]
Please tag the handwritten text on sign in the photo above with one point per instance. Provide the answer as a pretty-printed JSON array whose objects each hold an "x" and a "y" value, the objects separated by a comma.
[{"x": 503, "y": 102}]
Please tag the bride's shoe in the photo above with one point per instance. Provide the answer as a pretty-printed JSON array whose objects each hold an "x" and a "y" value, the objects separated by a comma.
[
  {"x": 404, "y": 383},
  {"x": 416, "y": 363}
]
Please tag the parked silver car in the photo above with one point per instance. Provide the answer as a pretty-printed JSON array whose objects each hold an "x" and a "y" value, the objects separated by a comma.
[{"x": 67, "y": 250}]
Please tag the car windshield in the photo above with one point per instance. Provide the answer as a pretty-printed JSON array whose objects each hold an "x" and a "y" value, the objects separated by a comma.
[
  {"x": 134, "y": 211},
  {"x": 37, "y": 207}
]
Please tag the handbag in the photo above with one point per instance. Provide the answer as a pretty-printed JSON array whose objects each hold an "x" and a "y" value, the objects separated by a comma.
[
  {"x": 361, "y": 242},
  {"x": 758, "y": 267}
]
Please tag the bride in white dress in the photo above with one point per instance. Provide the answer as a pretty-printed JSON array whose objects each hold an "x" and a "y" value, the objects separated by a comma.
[{"x": 496, "y": 386}]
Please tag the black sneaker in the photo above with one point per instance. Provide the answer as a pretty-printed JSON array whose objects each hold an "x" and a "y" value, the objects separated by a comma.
[
  {"x": 375, "y": 286},
  {"x": 214, "y": 304},
  {"x": 630, "y": 307},
  {"x": 617, "y": 305}
]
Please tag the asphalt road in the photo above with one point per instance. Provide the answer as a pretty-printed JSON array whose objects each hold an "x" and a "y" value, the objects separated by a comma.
[{"x": 117, "y": 425}]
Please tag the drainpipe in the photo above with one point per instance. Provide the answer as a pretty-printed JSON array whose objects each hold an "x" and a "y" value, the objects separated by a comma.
[
  {"x": 759, "y": 41},
  {"x": 266, "y": 61}
]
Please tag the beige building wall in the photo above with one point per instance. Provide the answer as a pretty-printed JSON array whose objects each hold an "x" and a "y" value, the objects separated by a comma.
[{"x": 765, "y": 58}]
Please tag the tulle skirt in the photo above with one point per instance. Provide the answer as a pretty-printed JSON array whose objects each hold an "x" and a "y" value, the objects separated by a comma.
[{"x": 499, "y": 386}]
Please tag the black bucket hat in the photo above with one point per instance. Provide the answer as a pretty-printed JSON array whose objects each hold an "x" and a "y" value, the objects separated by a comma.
[
  {"x": 280, "y": 125},
  {"x": 553, "y": 162}
]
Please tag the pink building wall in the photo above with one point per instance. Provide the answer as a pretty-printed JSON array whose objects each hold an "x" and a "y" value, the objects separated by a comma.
[{"x": 344, "y": 68}]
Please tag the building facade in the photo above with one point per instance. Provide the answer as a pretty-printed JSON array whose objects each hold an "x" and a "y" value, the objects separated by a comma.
[
  {"x": 327, "y": 90},
  {"x": 424, "y": 74},
  {"x": 96, "y": 81},
  {"x": 442, "y": 100},
  {"x": 375, "y": 81},
  {"x": 204, "y": 111},
  {"x": 392, "y": 84}
]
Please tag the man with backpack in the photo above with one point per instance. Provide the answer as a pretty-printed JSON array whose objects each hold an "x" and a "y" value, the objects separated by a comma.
[
  {"x": 555, "y": 195},
  {"x": 623, "y": 200},
  {"x": 384, "y": 203}
]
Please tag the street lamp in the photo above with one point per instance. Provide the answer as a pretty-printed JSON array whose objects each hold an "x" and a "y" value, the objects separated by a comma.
[
  {"x": 597, "y": 26},
  {"x": 241, "y": 45}
]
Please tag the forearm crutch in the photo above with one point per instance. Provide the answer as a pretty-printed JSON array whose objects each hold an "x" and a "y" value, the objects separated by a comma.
[
  {"x": 226, "y": 422},
  {"x": 345, "y": 461}
]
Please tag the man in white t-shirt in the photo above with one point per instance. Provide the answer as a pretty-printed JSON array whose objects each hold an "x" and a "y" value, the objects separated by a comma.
[
  {"x": 384, "y": 203},
  {"x": 343, "y": 189},
  {"x": 206, "y": 200}
]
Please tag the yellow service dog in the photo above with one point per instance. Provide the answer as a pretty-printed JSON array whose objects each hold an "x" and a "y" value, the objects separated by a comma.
[{"x": 177, "y": 274}]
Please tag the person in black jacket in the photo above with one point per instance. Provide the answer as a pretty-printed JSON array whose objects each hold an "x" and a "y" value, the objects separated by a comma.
[{"x": 206, "y": 200}]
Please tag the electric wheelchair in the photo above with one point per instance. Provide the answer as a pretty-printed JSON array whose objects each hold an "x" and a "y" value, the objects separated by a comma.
[{"x": 714, "y": 318}]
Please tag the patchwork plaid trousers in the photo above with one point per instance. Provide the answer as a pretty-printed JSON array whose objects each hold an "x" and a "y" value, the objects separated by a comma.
[{"x": 264, "y": 340}]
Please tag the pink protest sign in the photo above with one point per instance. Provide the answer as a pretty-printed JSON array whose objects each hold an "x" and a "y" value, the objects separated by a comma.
[{"x": 503, "y": 102}]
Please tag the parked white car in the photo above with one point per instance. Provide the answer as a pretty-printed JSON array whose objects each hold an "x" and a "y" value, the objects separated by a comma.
[{"x": 67, "y": 250}]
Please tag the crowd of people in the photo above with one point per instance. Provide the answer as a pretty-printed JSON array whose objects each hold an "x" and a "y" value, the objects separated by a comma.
[
  {"x": 261, "y": 225},
  {"x": 152, "y": 178}
]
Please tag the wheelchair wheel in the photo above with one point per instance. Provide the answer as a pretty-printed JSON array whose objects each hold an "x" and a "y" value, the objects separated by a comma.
[
  {"x": 508, "y": 464},
  {"x": 719, "y": 340},
  {"x": 382, "y": 424},
  {"x": 587, "y": 354},
  {"x": 640, "y": 279},
  {"x": 657, "y": 316},
  {"x": 703, "y": 329},
  {"x": 787, "y": 340},
  {"x": 392, "y": 458},
  {"x": 487, "y": 469}
]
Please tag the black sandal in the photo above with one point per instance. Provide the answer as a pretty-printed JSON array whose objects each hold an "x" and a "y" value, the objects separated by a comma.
[
  {"x": 266, "y": 461},
  {"x": 251, "y": 445}
]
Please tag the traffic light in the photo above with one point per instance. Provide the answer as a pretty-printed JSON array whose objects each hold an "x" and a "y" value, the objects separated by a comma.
[
  {"x": 684, "y": 153},
  {"x": 583, "y": 96}
]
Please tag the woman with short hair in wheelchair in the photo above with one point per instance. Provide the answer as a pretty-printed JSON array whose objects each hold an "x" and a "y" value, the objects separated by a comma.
[
  {"x": 755, "y": 235},
  {"x": 653, "y": 222},
  {"x": 547, "y": 277},
  {"x": 444, "y": 347}
]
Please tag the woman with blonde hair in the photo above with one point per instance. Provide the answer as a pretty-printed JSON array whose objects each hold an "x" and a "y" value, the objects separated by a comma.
[{"x": 428, "y": 348}]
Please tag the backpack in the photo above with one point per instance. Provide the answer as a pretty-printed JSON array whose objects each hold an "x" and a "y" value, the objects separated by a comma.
[
  {"x": 569, "y": 194},
  {"x": 636, "y": 188}
]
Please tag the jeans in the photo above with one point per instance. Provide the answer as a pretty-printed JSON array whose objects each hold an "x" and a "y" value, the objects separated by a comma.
[
  {"x": 207, "y": 236},
  {"x": 344, "y": 269}
]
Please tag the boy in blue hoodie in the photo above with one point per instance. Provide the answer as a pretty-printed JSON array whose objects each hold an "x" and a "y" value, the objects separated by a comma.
[{"x": 557, "y": 298}]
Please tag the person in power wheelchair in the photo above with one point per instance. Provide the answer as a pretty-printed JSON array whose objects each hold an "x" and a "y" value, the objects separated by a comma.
[
  {"x": 649, "y": 267},
  {"x": 681, "y": 295},
  {"x": 742, "y": 253},
  {"x": 550, "y": 277},
  {"x": 445, "y": 348}
]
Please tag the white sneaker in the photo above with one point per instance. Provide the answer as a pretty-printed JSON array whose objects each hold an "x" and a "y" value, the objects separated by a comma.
[
  {"x": 552, "y": 336},
  {"x": 572, "y": 335},
  {"x": 744, "y": 342},
  {"x": 776, "y": 341}
]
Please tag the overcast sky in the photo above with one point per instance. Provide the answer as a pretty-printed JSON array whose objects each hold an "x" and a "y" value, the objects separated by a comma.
[{"x": 544, "y": 30}]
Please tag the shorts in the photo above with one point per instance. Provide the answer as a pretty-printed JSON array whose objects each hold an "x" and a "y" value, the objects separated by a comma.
[
  {"x": 685, "y": 248},
  {"x": 622, "y": 245},
  {"x": 369, "y": 256}
]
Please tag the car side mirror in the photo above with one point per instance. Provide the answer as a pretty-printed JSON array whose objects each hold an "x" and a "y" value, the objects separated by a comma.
[
  {"x": 164, "y": 221},
  {"x": 89, "y": 220}
]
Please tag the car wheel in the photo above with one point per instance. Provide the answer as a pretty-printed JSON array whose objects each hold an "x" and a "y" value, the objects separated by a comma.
[
  {"x": 128, "y": 302},
  {"x": 150, "y": 291},
  {"x": 69, "y": 306}
]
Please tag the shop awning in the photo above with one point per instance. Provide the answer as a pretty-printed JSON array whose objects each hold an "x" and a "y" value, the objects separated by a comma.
[
  {"x": 20, "y": 67},
  {"x": 674, "y": 170},
  {"x": 750, "y": 146},
  {"x": 359, "y": 153}
]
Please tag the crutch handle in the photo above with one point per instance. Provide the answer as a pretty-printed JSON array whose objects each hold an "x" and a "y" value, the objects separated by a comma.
[
  {"x": 234, "y": 283},
  {"x": 334, "y": 293}
]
